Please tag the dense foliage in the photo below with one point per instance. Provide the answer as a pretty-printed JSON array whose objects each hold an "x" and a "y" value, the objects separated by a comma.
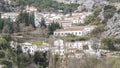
[
  {"x": 42, "y": 4},
  {"x": 109, "y": 11},
  {"x": 52, "y": 27},
  {"x": 92, "y": 20},
  {"x": 73, "y": 38},
  {"x": 41, "y": 59},
  {"x": 27, "y": 18}
]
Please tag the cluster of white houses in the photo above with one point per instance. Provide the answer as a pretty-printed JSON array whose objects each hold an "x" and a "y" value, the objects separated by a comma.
[
  {"x": 65, "y": 20},
  {"x": 60, "y": 47}
]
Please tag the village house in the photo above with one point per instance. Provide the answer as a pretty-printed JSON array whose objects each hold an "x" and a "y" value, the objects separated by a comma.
[
  {"x": 45, "y": 47},
  {"x": 77, "y": 18},
  {"x": 13, "y": 45},
  {"x": 30, "y": 9},
  {"x": 28, "y": 48},
  {"x": 64, "y": 20},
  {"x": 74, "y": 30},
  {"x": 60, "y": 47},
  {"x": 12, "y": 15}
]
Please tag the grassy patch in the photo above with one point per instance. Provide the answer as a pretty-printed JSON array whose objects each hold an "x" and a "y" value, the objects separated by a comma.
[{"x": 38, "y": 43}]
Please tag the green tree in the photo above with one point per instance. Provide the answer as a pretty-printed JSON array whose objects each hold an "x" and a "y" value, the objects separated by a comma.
[
  {"x": 2, "y": 54},
  {"x": 109, "y": 12},
  {"x": 27, "y": 18},
  {"x": 109, "y": 43},
  {"x": 92, "y": 20},
  {"x": 23, "y": 60},
  {"x": 52, "y": 27},
  {"x": 3, "y": 43},
  {"x": 31, "y": 19},
  {"x": 1, "y": 24},
  {"x": 42, "y": 23},
  {"x": 7, "y": 63},
  {"x": 41, "y": 59},
  {"x": 8, "y": 26}
]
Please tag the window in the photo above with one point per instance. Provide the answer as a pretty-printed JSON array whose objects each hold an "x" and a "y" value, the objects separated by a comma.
[
  {"x": 58, "y": 33},
  {"x": 76, "y": 33},
  {"x": 62, "y": 33},
  {"x": 25, "y": 47},
  {"x": 70, "y": 45},
  {"x": 79, "y": 32}
]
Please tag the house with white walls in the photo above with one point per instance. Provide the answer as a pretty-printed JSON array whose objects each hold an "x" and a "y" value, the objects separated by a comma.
[
  {"x": 13, "y": 45},
  {"x": 10, "y": 15},
  {"x": 28, "y": 48},
  {"x": 64, "y": 20},
  {"x": 74, "y": 30},
  {"x": 60, "y": 47},
  {"x": 30, "y": 9},
  {"x": 45, "y": 47}
]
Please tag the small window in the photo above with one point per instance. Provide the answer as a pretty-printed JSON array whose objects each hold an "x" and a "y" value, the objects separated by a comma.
[
  {"x": 76, "y": 33},
  {"x": 79, "y": 32}
]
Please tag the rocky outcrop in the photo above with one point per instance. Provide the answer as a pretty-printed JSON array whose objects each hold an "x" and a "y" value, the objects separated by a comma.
[{"x": 112, "y": 27}]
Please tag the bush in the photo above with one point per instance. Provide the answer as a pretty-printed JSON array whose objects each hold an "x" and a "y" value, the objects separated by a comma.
[
  {"x": 109, "y": 43},
  {"x": 2, "y": 54},
  {"x": 109, "y": 12},
  {"x": 38, "y": 43},
  {"x": 117, "y": 40},
  {"x": 76, "y": 38},
  {"x": 93, "y": 20},
  {"x": 3, "y": 43},
  {"x": 7, "y": 63}
]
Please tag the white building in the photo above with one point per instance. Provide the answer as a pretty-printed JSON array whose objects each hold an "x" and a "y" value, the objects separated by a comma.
[
  {"x": 45, "y": 47},
  {"x": 13, "y": 45},
  {"x": 64, "y": 20},
  {"x": 30, "y": 9},
  {"x": 28, "y": 48},
  {"x": 74, "y": 30},
  {"x": 60, "y": 47},
  {"x": 12, "y": 15}
]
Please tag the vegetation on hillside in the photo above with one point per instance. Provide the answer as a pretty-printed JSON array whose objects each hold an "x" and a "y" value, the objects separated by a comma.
[
  {"x": 108, "y": 13},
  {"x": 52, "y": 27},
  {"x": 24, "y": 19},
  {"x": 109, "y": 43},
  {"x": 114, "y": 1},
  {"x": 42, "y": 4}
]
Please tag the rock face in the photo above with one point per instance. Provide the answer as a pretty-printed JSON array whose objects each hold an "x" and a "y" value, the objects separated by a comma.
[{"x": 113, "y": 27}]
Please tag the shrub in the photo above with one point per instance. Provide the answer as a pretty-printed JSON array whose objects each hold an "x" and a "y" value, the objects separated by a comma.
[
  {"x": 2, "y": 54},
  {"x": 109, "y": 43},
  {"x": 93, "y": 20},
  {"x": 109, "y": 12},
  {"x": 7, "y": 63}
]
